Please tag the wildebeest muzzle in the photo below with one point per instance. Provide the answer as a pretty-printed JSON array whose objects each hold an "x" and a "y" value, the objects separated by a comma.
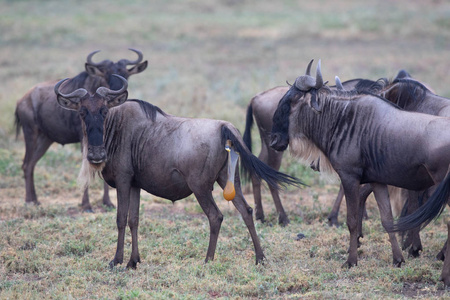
[
  {"x": 278, "y": 142},
  {"x": 96, "y": 154}
]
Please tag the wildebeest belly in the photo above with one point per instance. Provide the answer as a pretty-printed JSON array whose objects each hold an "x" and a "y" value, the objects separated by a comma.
[
  {"x": 416, "y": 178},
  {"x": 169, "y": 185}
]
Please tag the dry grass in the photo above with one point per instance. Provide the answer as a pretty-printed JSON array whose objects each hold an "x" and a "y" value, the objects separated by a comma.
[{"x": 206, "y": 59}]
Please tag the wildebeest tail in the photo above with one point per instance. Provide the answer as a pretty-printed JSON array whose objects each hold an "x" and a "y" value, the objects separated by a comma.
[
  {"x": 427, "y": 212},
  {"x": 248, "y": 128},
  {"x": 17, "y": 123},
  {"x": 253, "y": 166}
]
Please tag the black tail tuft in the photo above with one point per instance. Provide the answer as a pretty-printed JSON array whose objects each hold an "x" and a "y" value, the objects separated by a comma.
[
  {"x": 427, "y": 212},
  {"x": 253, "y": 166},
  {"x": 248, "y": 128}
]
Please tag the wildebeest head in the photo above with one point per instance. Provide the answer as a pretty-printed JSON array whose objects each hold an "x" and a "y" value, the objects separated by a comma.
[
  {"x": 305, "y": 84},
  {"x": 106, "y": 68},
  {"x": 92, "y": 110}
]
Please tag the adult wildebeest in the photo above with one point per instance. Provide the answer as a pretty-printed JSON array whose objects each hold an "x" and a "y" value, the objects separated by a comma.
[
  {"x": 411, "y": 95},
  {"x": 262, "y": 108},
  {"x": 138, "y": 146},
  {"x": 366, "y": 139},
  {"x": 44, "y": 122}
]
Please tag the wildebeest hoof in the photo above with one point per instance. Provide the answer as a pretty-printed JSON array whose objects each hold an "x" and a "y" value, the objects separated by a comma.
[
  {"x": 109, "y": 204},
  {"x": 440, "y": 256},
  {"x": 114, "y": 263},
  {"x": 133, "y": 263},
  {"x": 88, "y": 210},
  {"x": 414, "y": 252},
  {"x": 333, "y": 222},
  {"x": 398, "y": 263},
  {"x": 260, "y": 217},
  {"x": 348, "y": 265},
  {"x": 283, "y": 221},
  {"x": 260, "y": 260},
  {"x": 33, "y": 202}
]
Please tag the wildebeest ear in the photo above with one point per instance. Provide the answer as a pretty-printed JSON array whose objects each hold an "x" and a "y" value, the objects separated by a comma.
[
  {"x": 70, "y": 104},
  {"x": 93, "y": 70},
  {"x": 120, "y": 99},
  {"x": 138, "y": 68}
]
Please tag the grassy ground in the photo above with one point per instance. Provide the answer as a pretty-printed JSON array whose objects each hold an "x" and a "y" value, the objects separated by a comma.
[{"x": 206, "y": 59}]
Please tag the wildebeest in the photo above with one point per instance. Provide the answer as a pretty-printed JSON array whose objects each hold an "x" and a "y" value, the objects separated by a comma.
[
  {"x": 366, "y": 139},
  {"x": 44, "y": 122},
  {"x": 411, "y": 95},
  {"x": 138, "y": 146},
  {"x": 262, "y": 108}
]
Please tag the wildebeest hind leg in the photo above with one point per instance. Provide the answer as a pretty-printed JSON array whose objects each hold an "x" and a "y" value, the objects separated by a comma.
[
  {"x": 215, "y": 218},
  {"x": 384, "y": 205},
  {"x": 274, "y": 160},
  {"x": 36, "y": 144},
  {"x": 445, "y": 275},
  {"x": 364, "y": 192},
  {"x": 412, "y": 239},
  {"x": 247, "y": 215},
  {"x": 283, "y": 219},
  {"x": 333, "y": 215},
  {"x": 256, "y": 186},
  {"x": 106, "y": 199},
  {"x": 441, "y": 254}
]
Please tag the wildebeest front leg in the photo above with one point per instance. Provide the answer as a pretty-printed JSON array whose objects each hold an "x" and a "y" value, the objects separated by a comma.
[
  {"x": 384, "y": 205},
  {"x": 133, "y": 223},
  {"x": 445, "y": 275},
  {"x": 123, "y": 202},
  {"x": 351, "y": 190}
]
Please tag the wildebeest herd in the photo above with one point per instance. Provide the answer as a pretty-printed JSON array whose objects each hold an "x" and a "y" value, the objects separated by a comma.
[{"x": 367, "y": 132}]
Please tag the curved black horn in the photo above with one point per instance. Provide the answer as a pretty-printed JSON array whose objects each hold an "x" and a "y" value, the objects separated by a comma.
[
  {"x": 319, "y": 78},
  {"x": 287, "y": 82},
  {"x": 138, "y": 60},
  {"x": 308, "y": 69},
  {"x": 103, "y": 91},
  {"x": 339, "y": 85},
  {"x": 89, "y": 58},
  {"x": 79, "y": 93}
]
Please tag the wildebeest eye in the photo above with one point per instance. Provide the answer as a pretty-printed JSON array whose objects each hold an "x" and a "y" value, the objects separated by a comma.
[
  {"x": 104, "y": 111},
  {"x": 83, "y": 112}
]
